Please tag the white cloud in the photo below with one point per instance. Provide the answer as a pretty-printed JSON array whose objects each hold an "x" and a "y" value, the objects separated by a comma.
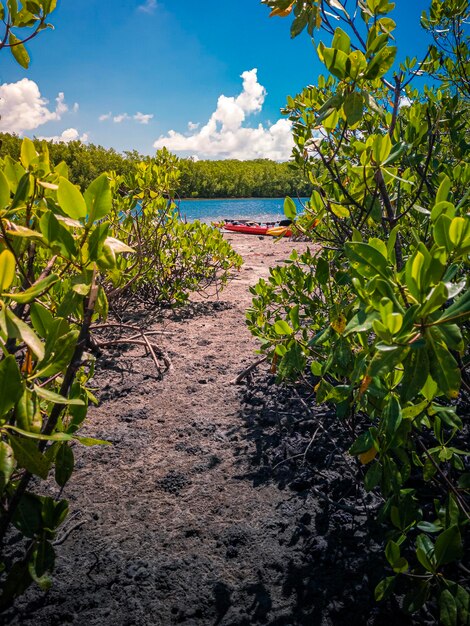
[
  {"x": 117, "y": 119},
  {"x": 143, "y": 118},
  {"x": 22, "y": 107},
  {"x": 61, "y": 107},
  {"x": 225, "y": 136},
  {"x": 75, "y": 107},
  {"x": 193, "y": 126},
  {"x": 70, "y": 134},
  {"x": 149, "y": 6}
]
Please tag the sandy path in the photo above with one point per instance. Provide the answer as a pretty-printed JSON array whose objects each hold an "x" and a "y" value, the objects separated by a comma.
[
  {"x": 204, "y": 511},
  {"x": 177, "y": 527}
]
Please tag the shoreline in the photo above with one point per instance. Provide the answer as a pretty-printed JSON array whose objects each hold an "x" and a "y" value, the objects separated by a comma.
[{"x": 239, "y": 198}]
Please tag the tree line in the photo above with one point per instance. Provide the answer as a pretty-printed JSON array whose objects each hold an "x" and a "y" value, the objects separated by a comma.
[{"x": 260, "y": 178}]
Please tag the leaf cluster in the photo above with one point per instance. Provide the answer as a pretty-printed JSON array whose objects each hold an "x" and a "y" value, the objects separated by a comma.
[
  {"x": 64, "y": 257},
  {"x": 378, "y": 314}
]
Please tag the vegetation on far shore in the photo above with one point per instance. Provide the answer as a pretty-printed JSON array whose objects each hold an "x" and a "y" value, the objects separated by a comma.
[{"x": 259, "y": 178}]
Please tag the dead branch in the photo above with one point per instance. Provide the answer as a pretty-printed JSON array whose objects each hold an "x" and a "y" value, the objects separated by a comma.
[
  {"x": 151, "y": 348},
  {"x": 248, "y": 370}
]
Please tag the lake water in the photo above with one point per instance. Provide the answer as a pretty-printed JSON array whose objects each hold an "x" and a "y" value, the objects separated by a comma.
[{"x": 257, "y": 209}]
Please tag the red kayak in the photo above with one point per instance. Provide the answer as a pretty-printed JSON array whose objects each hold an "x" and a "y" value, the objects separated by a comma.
[{"x": 251, "y": 228}]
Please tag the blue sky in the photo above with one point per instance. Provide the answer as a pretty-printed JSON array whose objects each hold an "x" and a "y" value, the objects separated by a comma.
[{"x": 132, "y": 74}]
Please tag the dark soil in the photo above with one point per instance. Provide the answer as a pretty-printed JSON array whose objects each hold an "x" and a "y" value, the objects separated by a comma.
[{"x": 216, "y": 504}]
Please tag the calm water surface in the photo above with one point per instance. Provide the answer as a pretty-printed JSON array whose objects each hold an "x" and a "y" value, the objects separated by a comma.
[{"x": 258, "y": 209}]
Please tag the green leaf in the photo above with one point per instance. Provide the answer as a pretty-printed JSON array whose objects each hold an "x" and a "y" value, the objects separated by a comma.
[
  {"x": 410, "y": 412},
  {"x": 381, "y": 62},
  {"x": 71, "y": 200},
  {"x": 430, "y": 389},
  {"x": 298, "y": 24},
  {"x": 14, "y": 173},
  {"x": 12, "y": 10},
  {"x": 25, "y": 17},
  {"x": 385, "y": 588},
  {"x": 464, "y": 481},
  {"x": 373, "y": 476},
  {"x": 294, "y": 316},
  {"x": 332, "y": 104},
  {"x": 89, "y": 441},
  {"x": 449, "y": 546},
  {"x": 28, "y": 413},
  {"x": 49, "y": 5},
  {"x": 98, "y": 198},
  {"x": 28, "y": 153},
  {"x": 41, "y": 319},
  {"x": 381, "y": 148},
  {"x": 4, "y": 191},
  {"x": 39, "y": 436},
  {"x": 17, "y": 328},
  {"x": 96, "y": 241},
  {"x": 316, "y": 368},
  {"x": 425, "y": 552},
  {"x": 7, "y": 464},
  {"x": 64, "y": 464},
  {"x": 18, "y": 51},
  {"x": 7, "y": 269},
  {"x": 442, "y": 209},
  {"x": 416, "y": 371},
  {"x": 27, "y": 517},
  {"x": 417, "y": 597},
  {"x": 16, "y": 583},
  {"x": 444, "y": 189},
  {"x": 459, "y": 232},
  {"x": 60, "y": 351},
  {"x": 361, "y": 322},
  {"x": 290, "y": 210},
  {"x": 391, "y": 415},
  {"x": 392, "y": 552},
  {"x": 452, "y": 336},
  {"x": 54, "y": 512},
  {"x": 11, "y": 384},
  {"x": 362, "y": 444},
  {"x": 459, "y": 310},
  {"x": 385, "y": 359},
  {"x": 24, "y": 297},
  {"x": 397, "y": 150},
  {"x": 57, "y": 235},
  {"x": 322, "y": 272},
  {"x": 356, "y": 66},
  {"x": 366, "y": 260},
  {"x": 353, "y": 108},
  {"x": 435, "y": 299},
  {"x": 341, "y": 41},
  {"x": 55, "y": 398},
  {"x": 462, "y": 600},
  {"x": 28, "y": 456},
  {"x": 41, "y": 564},
  {"x": 335, "y": 61},
  {"x": 444, "y": 368},
  {"x": 447, "y": 609},
  {"x": 292, "y": 363},
  {"x": 281, "y": 327},
  {"x": 429, "y": 527}
]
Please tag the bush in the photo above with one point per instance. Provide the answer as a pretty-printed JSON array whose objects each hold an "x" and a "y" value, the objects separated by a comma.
[{"x": 379, "y": 313}]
